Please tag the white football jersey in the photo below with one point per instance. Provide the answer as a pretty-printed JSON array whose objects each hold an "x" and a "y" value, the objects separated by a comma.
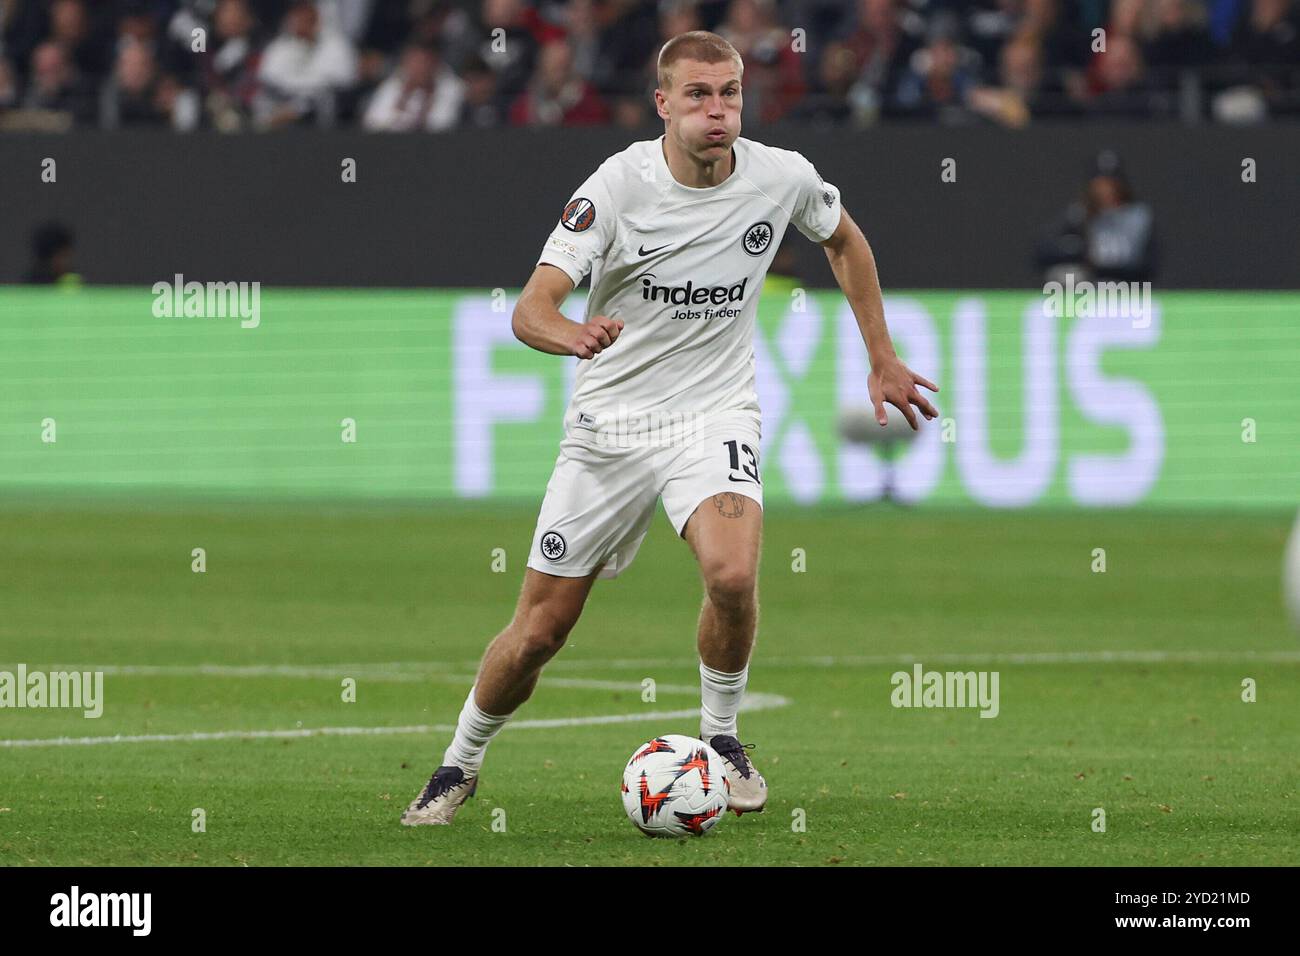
[{"x": 683, "y": 268}]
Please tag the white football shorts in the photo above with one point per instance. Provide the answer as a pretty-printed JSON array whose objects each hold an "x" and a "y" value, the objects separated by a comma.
[{"x": 602, "y": 494}]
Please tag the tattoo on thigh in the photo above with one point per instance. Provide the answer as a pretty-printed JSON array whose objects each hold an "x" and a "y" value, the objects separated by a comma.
[{"x": 729, "y": 504}]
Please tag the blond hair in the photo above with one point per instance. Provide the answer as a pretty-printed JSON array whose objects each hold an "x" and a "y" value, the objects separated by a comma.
[{"x": 698, "y": 45}]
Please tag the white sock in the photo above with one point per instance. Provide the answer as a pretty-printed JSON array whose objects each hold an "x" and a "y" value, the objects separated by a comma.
[
  {"x": 474, "y": 730},
  {"x": 720, "y": 695}
]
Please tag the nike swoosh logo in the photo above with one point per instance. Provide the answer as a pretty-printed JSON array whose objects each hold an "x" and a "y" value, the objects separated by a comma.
[
  {"x": 747, "y": 481},
  {"x": 643, "y": 251}
]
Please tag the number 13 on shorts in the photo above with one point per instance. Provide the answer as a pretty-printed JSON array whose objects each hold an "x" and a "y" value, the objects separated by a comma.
[{"x": 744, "y": 462}]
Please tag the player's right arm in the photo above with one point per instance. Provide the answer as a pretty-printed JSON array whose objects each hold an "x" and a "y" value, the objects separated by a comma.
[
  {"x": 539, "y": 324},
  {"x": 584, "y": 233}
]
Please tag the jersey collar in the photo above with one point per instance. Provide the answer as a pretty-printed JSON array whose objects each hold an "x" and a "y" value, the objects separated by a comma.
[{"x": 663, "y": 167}]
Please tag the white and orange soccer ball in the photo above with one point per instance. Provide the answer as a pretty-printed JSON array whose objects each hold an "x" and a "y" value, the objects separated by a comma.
[{"x": 675, "y": 786}]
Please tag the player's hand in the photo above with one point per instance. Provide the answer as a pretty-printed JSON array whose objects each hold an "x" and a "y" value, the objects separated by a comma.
[
  {"x": 893, "y": 382},
  {"x": 596, "y": 336}
]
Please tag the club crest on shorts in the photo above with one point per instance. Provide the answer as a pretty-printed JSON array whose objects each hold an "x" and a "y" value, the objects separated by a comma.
[
  {"x": 578, "y": 215},
  {"x": 757, "y": 238},
  {"x": 553, "y": 546}
]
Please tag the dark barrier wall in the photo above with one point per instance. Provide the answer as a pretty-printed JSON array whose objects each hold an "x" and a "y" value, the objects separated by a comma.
[{"x": 473, "y": 209}]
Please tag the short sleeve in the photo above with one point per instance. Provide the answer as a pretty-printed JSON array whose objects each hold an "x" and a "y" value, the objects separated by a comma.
[
  {"x": 817, "y": 202},
  {"x": 585, "y": 229}
]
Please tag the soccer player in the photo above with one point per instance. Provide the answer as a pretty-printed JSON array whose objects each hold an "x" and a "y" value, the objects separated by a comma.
[{"x": 678, "y": 233}]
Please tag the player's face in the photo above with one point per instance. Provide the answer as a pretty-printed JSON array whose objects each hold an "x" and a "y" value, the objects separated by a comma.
[{"x": 705, "y": 106}]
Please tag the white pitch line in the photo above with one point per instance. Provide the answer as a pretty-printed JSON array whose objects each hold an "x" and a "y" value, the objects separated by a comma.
[
  {"x": 992, "y": 657},
  {"x": 751, "y": 702},
  {"x": 425, "y": 671},
  {"x": 442, "y": 671},
  {"x": 391, "y": 672},
  {"x": 398, "y": 672}
]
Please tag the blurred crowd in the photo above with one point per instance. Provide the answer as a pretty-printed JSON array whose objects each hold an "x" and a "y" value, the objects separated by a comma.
[{"x": 400, "y": 65}]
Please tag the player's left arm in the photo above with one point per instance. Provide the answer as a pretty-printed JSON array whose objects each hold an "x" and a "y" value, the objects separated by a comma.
[{"x": 890, "y": 380}]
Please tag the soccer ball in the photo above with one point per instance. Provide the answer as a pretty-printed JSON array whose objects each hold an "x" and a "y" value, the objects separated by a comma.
[
  {"x": 1291, "y": 575},
  {"x": 675, "y": 786}
]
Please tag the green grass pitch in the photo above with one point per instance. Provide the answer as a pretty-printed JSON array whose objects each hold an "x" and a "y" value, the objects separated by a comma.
[{"x": 296, "y": 597}]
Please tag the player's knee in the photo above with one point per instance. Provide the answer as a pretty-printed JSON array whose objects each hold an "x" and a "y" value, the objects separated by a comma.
[
  {"x": 541, "y": 634},
  {"x": 731, "y": 588}
]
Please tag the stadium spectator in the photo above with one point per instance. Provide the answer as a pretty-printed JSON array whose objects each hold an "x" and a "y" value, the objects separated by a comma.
[
  {"x": 422, "y": 94},
  {"x": 939, "y": 77},
  {"x": 1068, "y": 34},
  {"x": 1269, "y": 35},
  {"x": 481, "y": 106},
  {"x": 1179, "y": 40},
  {"x": 189, "y": 19},
  {"x": 829, "y": 104},
  {"x": 991, "y": 26},
  {"x": 388, "y": 29},
  {"x": 1025, "y": 88},
  {"x": 773, "y": 79},
  {"x": 1118, "y": 83},
  {"x": 1020, "y": 72},
  {"x": 1008, "y": 61},
  {"x": 675, "y": 17},
  {"x": 135, "y": 25},
  {"x": 22, "y": 27},
  {"x": 558, "y": 96},
  {"x": 508, "y": 43},
  {"x": 70, "y": 28},
  {"x": 302, "y": 71},
  {"x": 453, "y": 30},
  {"x": 630, "y": 37},
  {"x": 881, "y": 49},
  {"x": 1264, "y": 54},
  {"x": 140, "y": 95},
  {"x": 228, "y": 70},
  {"x": 8, "y": 87},
  {"x": 583, "y": 33},
  {"x": 55, "y": 88}
]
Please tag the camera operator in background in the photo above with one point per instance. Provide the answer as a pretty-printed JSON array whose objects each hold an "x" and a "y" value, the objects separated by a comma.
[{"x": 1108, "y": 235}]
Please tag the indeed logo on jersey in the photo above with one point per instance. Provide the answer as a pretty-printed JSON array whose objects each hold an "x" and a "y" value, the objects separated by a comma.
[{"x": 690, "y": 294}]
